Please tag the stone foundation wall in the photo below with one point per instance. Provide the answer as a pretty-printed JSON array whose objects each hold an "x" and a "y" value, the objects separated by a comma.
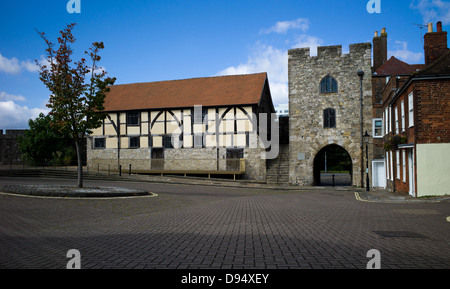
[{"x": 184, "y": 159}]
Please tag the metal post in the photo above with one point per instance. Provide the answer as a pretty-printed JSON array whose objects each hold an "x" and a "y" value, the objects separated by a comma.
[
  {"x": 120, "y": 170},
  {"x": 367, "y": 168}
]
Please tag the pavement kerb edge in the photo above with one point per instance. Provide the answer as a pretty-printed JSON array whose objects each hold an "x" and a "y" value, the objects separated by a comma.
[{"x": 150, "y": 195}]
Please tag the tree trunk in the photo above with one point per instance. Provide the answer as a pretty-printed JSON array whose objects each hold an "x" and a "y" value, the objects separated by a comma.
[{"x": 80, "y": 163}]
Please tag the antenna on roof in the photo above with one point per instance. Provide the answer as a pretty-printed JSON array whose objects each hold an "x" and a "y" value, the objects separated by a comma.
[{"x": 421, "y": 26}]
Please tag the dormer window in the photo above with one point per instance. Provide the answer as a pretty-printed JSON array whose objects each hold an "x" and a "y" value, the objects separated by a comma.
[{"x": 328, "y": 85}]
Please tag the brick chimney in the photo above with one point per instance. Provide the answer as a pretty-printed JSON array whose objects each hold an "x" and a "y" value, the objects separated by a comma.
[
  {"x": 435, "y": 43},
  {"x": 379, "y": 49}
]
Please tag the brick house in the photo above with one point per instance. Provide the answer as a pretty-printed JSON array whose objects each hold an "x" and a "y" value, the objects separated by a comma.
[
  {"x": 191, "y": 126},
  {"x": 382, "y": 71},
  {"x": 416, "y": 120}
]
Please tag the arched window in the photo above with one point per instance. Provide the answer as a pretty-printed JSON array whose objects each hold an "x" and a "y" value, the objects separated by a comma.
[
  {"x": 329, "y": 118},
  {"x": 328, "y": 85}
]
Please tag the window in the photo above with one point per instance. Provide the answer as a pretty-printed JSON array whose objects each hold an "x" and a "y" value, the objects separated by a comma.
[
  {"x": 387, "y": 166},
  {"x": 402, "y": 111},
  {"x": 328, "y": 85},
  {"x": 329, "y": 118},
  {"x": 133, "y": 118},
  {"x": 410, "y": 110},
  {"x": 134, "y": 142},
  {"x": 386, "y": 120},
  {"x": 167, "y": 142},
  {"x": 404, "y": 165},
  {"x": 397, "y": 158},
  {"x": 377, "y": 128},
  {"x": 389, "y": 117},
  {"x": 99, "y": 143},
  {"x": 396, "y": 119},
  {"x": 391, "y": 164}
]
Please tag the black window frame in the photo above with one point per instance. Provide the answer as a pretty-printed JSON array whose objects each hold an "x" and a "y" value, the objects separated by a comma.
[
  {"x": 329, "y": 118},
  {"x": 99, "y": 146},
  {"x": 167, "y": 141},
  {"x": 134, "y": 142},
  {"x": 328, "y": 85},
  {"x": 133, "y": 118}
]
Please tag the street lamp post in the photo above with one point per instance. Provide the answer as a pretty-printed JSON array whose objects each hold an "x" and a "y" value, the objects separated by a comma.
[{"x": 366, "y": 140}]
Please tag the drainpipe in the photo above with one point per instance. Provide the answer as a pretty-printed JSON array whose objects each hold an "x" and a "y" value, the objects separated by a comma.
[{"x": 360, "y": 73}]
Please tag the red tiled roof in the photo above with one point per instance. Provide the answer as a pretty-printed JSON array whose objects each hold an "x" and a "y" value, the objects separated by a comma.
[
  {"x": 397, "y": 67},
  {"x": 207, "y": 91}
]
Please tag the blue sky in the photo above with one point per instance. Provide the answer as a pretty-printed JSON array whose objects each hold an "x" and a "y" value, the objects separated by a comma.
[{"x": 165, "y": 40}]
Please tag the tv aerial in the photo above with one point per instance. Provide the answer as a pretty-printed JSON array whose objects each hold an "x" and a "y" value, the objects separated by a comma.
[{"x": 421, "y": 26}]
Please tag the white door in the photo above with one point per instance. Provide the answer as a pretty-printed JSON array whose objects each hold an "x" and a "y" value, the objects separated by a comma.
[
  {"x": 411, "y": 172},
  {"x": 379, "y": 174}
]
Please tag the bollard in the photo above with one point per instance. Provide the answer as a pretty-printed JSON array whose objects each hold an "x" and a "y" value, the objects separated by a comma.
[
  {"x": 120, "y": 170},
  {"x": 333, "y": 180},
  {"x": 129, "y": 171}
]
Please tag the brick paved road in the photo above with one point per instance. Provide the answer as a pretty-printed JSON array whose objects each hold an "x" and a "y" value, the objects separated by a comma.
[{"x": 211, "y": 227}]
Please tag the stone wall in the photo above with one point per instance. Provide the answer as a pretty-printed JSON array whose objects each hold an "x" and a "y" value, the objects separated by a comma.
[
  {"x": 307, "y": 135},
  {"x": 9, "y": 148},
  {"x": 176, "y": 159}
]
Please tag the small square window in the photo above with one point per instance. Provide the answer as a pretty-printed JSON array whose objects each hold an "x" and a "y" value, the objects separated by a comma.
[
  {"x": 167, "y": 142},
  {"x": 134, "y": 142},
  {"x": 133, "y": 118},
  {"x": 99, "y": 143},
  {"x": 377, "y": 128}
]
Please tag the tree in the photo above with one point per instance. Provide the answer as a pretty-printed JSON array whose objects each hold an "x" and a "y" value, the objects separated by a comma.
[
  {"x": 42, "y": 144},
  {"x": 77, "y": 90}
]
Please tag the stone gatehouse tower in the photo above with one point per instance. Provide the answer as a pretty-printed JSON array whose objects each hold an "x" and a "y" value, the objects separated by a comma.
[{"x": 325, "y": 109}]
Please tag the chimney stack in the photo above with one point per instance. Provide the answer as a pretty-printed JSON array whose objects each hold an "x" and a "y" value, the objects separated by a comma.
[
  {"x": 439, "y": 26},
  {"x": 435, "y": 43},
  {"x": 379, "y": 49}
]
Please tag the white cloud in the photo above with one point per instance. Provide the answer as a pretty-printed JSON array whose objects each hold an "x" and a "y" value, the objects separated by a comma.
[
  {"x": 305, "y": 40},
  {"x": 406, "y": 55},
  {"x": 266, "y": 58},
  {"x": 281, "y": 27},
  {"x": 6, "y": 96},
  {"x": 274, "y": 61},
  {"x": 16, "y": 116},
  {"x": 14, "y": 66},
  {"x": 433, "y": 10}
]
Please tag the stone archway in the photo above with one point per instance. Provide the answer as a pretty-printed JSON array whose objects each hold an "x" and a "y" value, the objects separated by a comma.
[{"x": 333, "y": 166}]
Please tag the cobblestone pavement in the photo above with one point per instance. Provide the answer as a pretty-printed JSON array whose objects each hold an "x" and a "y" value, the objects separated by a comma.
[{"x": 213, "y": 227}]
